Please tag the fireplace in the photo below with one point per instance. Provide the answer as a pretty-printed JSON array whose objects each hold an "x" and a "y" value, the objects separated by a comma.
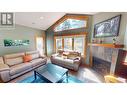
[
  {"x": 104, "y": 58},
  {"x": 101, "y": 66}
]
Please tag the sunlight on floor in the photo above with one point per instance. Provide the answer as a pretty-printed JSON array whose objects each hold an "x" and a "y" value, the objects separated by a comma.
[{"x": 90, "y": 74}]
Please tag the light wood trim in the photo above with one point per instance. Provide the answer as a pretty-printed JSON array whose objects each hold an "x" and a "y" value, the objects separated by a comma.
[
  {"x": 79, "y": 34},
  {"x": 62, "y": 43},
  {"x": 59, "y": 21},
  {"x": 107, "y": 45},
  {"x": 65, "y": 17},
  {"x": 72, "y": 43},
  {"x": 85, "y": 46},
  {"x": 54, "y": 44}
]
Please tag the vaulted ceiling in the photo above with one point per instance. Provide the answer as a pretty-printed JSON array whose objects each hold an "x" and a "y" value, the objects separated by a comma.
[{"x": 41, "y": 20}]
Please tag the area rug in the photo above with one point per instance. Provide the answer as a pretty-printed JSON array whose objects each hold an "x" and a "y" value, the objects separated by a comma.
[{"x": 30, "y": 79}]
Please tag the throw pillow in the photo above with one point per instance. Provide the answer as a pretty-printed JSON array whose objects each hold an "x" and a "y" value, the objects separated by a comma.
[
  {"x": 60, "y": 51},
  {"x": 27, "y": 58}
]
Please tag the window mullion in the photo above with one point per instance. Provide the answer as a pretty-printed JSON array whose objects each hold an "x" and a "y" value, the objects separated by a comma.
[
  {"x": 63, "y": 43},
  {"x": 73, "y": 43}
]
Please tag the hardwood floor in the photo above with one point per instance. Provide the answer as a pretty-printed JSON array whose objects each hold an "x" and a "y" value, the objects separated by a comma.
[
  {"x": 87, "y": 75},
  {"x": 84, "y": 74}
]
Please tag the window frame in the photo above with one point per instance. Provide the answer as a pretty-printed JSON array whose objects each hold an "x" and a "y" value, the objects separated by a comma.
[
  {"x": 56, "y": 42},
  {"x": 77, "y": 17},
  {"x": 82, "y": 34},
  {"x": 82, "y": 43},
  {"x": 71, "y": 41}
]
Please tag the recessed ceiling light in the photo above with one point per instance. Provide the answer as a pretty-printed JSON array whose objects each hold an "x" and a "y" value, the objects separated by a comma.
[
  {"x": 33, "y": 22},
  {"x": 41, "y": 17}
]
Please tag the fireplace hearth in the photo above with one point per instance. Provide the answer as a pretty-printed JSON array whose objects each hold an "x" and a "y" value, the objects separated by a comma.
[{"x": 101, "y": 66}]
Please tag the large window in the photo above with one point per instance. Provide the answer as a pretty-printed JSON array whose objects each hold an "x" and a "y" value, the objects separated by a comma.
[
  {"x": 71, "y": 24},
  {"x": 79, "y": 44},
  {"x": 76, "y": 43},
  {"x": 67, "y": 43}
]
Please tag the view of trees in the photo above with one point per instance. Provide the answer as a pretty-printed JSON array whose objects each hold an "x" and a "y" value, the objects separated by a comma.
[{"x": 71, "y": 24}]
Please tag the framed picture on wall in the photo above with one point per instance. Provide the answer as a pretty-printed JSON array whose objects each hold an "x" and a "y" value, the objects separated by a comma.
[
  {"x": 107, "y": 28},
  {"x": 8, "y": 42}
]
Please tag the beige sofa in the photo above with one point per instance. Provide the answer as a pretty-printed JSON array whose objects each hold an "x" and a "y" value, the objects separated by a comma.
[
  {"x": 12, "y": 65},
  {"x": 67, "y": 59}
]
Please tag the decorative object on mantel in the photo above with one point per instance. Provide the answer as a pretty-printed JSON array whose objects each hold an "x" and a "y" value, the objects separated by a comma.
[
  {"x": 8, "y": 42},
  {"x": 114, "y": 40},
  {"x": 98, "y": 40},
  {"x": 107, "y": 28}
]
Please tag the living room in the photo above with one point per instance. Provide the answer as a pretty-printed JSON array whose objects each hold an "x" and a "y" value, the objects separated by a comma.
[{"x": 63, "y": 42}]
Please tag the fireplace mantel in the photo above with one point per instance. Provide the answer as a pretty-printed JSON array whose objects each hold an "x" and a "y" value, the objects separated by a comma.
[
  {"x": 107, "y": 45},
  {"x": 115, "y": 48}
]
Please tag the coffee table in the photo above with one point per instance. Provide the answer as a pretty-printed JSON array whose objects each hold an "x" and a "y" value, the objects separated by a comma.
[{"x": 51, "y": 73}]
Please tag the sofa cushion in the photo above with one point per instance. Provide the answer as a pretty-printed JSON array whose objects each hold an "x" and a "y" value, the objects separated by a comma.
[
  {"x": 13, "y": 55},
  {"x": 19, "y": 68},
  {"x": 62, "y": 61},
  {"x": 37, "y": 61},
  {"x": 14, "y": 61},
  {"x": 74, "y": 53},
  {"x": 34, "y": 56},
  {"x": 67, "y": 63},
  {"x": 72, "y": 57},
  {"x": 4, "y": 67}
]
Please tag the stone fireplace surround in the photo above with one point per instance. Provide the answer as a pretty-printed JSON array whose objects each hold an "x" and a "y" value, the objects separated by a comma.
[
  {"x": 118, "y": 68},
  {"x": 104, "y": 59}
]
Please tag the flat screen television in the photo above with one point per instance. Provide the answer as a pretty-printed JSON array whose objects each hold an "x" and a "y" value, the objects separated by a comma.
[
  {"x": 121, "y": 65},
  {"x": 107, "y": 28}
]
